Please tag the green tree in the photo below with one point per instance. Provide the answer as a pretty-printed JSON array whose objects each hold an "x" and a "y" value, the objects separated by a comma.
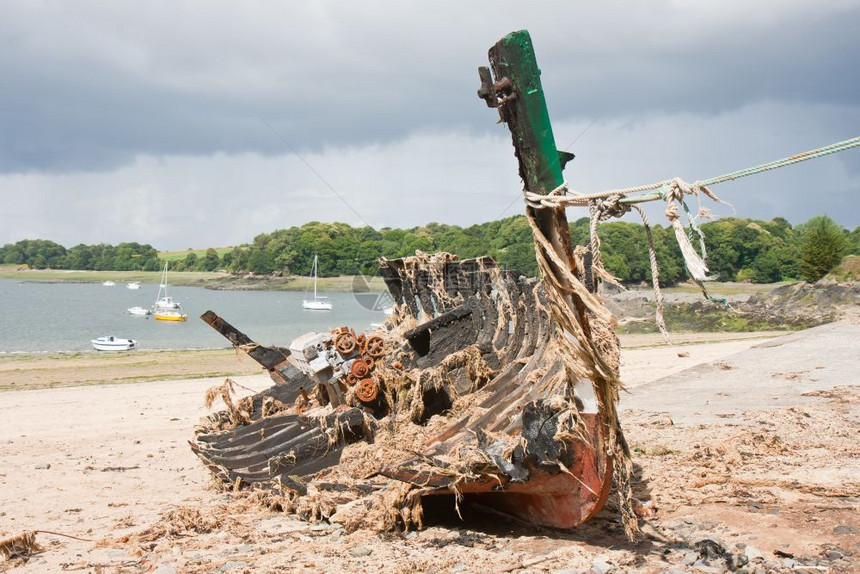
[
  {"x": 211, "y": 261},
  {"x": 190, "y": 261},
  {"x": 767, "y": 267},
  {"x": 823, "y": 244},
  {"x": 854, "y": 238}
]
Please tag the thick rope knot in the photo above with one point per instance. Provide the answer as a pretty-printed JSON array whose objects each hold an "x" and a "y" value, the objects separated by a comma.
[
  {"x": 672, "y": 212},
  {"x": 608, "y": 207},
  {"x": 555, "y": 199}
]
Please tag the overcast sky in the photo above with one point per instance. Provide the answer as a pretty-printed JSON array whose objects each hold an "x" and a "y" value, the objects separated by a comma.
[{"x": 202, "y": 124}]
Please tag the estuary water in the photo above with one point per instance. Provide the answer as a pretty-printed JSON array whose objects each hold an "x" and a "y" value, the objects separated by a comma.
[{"x": 38, "y": 317}]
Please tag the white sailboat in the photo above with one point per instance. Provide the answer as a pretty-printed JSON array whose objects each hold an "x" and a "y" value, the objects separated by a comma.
[
  {"x": 318, "y": 303},
  {"x": 166, "y": 309}
]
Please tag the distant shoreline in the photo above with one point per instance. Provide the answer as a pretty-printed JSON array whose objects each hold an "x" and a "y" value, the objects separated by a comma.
[{"x": 207, "y": 280}]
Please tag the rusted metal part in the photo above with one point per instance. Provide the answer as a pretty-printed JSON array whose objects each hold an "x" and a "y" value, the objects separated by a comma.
[{"x": 367, "y": 390}]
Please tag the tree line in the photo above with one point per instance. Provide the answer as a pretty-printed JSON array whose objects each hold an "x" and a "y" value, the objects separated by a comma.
[
  {"x": 738, "y": 249},
  {"x": 45, "y": 254}
]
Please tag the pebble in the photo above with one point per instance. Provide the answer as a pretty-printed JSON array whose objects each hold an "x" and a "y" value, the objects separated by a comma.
[
  {"x": 833, "y": 555},
  {"x": 690, "y": 558},
  {"x": 737, "y": 561},
  {"x": 359, "y": 551},
  {"x": 753, "y": 553},
  {"x": 841, "y": 529},
  {"x": 233, "y": 565},
  {"x": 601, "y": 566},
  {"x": 43, "y": 466}
]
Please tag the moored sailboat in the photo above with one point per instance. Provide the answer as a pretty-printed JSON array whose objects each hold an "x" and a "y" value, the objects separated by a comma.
[
  {"x": 318, "y": 303},
  {"x": 165, "y": 308}
]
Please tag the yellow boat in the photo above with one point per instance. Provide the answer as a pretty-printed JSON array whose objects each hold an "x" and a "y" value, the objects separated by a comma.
[
  {"x": 165, "y": 308},
  {"x": 169, "y": 315}
]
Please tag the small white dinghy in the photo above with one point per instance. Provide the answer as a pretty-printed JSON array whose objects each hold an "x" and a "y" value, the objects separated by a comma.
[
  {"x": 112, "y": 343},
  {"x": 139, "y": 311}
]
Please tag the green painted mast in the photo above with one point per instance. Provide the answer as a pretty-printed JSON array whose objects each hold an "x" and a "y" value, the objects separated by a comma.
[{"x": 518, "y": 94}]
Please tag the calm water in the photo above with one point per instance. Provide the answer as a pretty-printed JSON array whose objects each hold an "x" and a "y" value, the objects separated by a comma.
[{"x": 63, "y": 317}]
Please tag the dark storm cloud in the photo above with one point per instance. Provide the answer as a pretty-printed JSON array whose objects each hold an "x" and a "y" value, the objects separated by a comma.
[{"x": 89, "y": 87}]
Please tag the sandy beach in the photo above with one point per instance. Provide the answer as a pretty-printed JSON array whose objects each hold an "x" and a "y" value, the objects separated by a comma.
[{"x": 96, "y": 447}]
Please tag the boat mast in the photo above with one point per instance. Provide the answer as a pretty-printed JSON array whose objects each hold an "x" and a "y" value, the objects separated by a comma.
[
  {"x": 162, "y": 285},
  {"x": 315, "y": 277}
]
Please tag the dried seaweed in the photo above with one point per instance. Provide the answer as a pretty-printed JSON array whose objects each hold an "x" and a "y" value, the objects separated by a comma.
[{"x": 20, "y": 547}]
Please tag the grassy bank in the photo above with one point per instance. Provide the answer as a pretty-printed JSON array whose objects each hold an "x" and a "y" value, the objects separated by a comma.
[
  {"x": 723, "y": 288},
  {"x": 343, "y": 284},
  {"x": 181, "y": 254},
  {"x": 209, "y": 280}
]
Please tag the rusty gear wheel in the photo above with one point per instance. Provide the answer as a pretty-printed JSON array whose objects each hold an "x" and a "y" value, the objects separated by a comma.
[
  {"x": 375, "y": 346},
  {"x": 359, "y": 369},
  {"x": 350, "y": 379},
  {"x": 367, "y": 390},
  {"x": 345, "y": 343}
]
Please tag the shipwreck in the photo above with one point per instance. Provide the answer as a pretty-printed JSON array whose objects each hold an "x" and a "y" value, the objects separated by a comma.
[{"x": 482, "y": 383}]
